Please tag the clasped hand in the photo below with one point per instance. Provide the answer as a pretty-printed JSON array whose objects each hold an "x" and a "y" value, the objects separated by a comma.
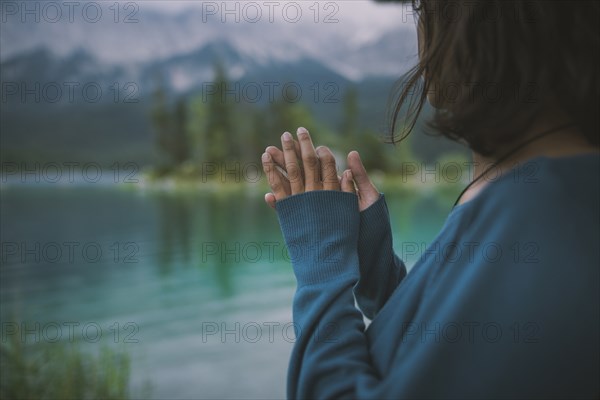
[{"x": 309, "y": 169}]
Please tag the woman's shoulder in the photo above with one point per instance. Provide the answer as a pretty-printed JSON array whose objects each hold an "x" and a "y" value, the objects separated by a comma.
[
  {"x": 541, "y": 186},
  {"x": 546, "y": 214}
]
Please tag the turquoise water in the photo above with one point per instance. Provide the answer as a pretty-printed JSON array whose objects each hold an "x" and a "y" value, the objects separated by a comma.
[{"x": 196, "y": 288}]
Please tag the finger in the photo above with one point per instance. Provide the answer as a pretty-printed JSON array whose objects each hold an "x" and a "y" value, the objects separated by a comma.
[
  {"x": 277, "y": 155},
  {"x": 359, "y": 173},
  {"x": 310, "y": 161},
  {"x": 329, "y": 174},
  {"x": 276, "y": 180},
  {"x": 347, "y": 183},
  {"x": 270, "y": 200},
  {"x": 277, "y": 158},
  {"x": 298, "y": 150},
  {"x": 291, "y": 163},
  {"x": 366, "y": 190}
]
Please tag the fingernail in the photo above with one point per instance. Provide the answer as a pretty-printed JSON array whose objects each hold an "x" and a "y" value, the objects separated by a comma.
[
  {"x": 266, "y": 157},
  {"x": 349, "y": 175},
  {"x": 287, "y": 137},
  {"x": 302, "y": 132}
]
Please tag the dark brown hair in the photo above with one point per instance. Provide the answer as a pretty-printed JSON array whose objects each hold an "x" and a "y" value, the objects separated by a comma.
[{"x": 494, "y": 66}]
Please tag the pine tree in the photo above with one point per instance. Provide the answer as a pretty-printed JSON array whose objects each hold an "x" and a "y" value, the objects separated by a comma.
[
  {"x": 180, "y": 150},
  {"x": 162, "y": 122},
  {"x": 221, "y": 142}
]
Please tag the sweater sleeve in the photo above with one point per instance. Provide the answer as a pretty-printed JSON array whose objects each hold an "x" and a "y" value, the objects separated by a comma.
[
  {"x": 330, "y": 354},
  {"x": 381, "y": 270},
  {"x": 510, "y": 314}
]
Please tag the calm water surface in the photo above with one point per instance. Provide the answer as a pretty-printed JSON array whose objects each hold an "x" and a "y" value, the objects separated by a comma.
[{"x": 197, "y": 288}]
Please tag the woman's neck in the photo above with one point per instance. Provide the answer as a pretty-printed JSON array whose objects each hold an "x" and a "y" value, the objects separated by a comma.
[{"x": 563, "y": 143}]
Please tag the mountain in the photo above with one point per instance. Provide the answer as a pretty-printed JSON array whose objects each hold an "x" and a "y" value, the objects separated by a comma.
[
  {"x": 92, "y": 82},
  {"x": 352, "y": 45}
]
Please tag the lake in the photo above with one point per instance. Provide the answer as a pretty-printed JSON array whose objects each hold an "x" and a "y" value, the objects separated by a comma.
[{"x": 196, "y": 287}]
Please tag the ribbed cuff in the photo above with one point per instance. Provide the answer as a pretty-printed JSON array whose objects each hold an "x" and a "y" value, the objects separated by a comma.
[
  {"x": 321, "y": 233},
  {"x": 374, "y": 221}
]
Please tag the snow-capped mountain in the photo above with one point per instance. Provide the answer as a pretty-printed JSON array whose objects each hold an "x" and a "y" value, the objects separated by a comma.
[
  {"x": 353, "y": 39},
  {"x": 116, "y": 44}
]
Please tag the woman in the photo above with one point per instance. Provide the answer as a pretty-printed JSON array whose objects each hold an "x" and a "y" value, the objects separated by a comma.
[{"x": 513, "y": 311}]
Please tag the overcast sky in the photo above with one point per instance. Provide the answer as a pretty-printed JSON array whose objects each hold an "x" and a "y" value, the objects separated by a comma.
[
  {"x": 361, "y": 12},
  {"x": 352, "y": 23}
]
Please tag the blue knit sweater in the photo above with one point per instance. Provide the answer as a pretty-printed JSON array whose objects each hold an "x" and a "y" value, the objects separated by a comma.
[{"x": 503, "y": 304}]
